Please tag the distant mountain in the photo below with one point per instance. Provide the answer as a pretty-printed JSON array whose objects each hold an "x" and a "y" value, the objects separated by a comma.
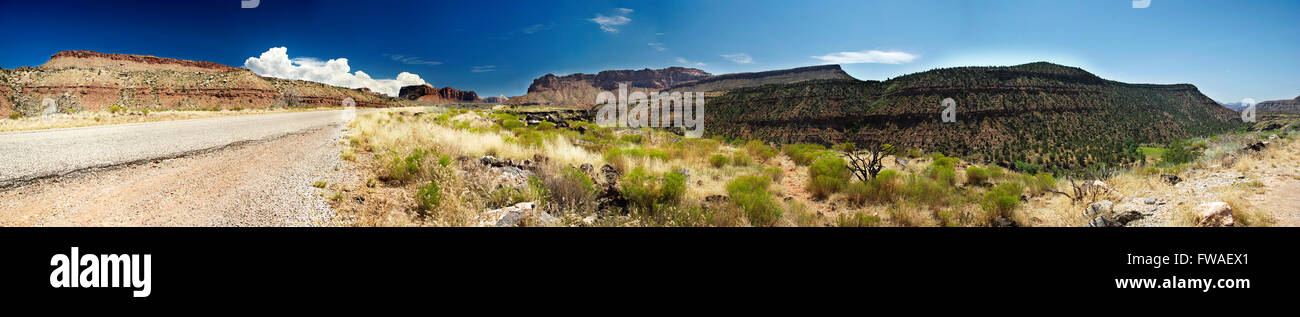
[
  {"x": 1279, "y": 107},
  {"x": 1235, "y": 106},
  {"x": 741, "y": 80},
  {"x": 428, "y": 93},
  {"x": 85, "y": 80},
  {"x": 1043, "y": 113},
  {"x": 580, "y": 90}
]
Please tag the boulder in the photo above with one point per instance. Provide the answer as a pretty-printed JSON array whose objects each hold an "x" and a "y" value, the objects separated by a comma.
[
  {"x": 1171, "y": 179},
  {"x": 1101, "y": 222},
  {"x": 1214, "y": 214},
  {"x": 506, "y": 217},
  {"x": 1101, "y": 208}
]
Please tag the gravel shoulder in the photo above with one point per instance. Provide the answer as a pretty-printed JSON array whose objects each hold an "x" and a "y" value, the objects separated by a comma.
[
  {"x": 26, "y": 156},
  {"x": 261, "y": 183}
]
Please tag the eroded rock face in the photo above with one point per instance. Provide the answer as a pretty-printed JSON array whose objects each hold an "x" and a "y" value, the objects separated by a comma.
[
  {"x": 428, "y": 93},
  {"x": 91, "y": 81},
  {"x": 579, "y": 90}
]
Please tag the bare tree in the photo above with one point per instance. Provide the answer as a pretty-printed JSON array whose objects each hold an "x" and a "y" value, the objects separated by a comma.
[{"x": 866, "y": 163}]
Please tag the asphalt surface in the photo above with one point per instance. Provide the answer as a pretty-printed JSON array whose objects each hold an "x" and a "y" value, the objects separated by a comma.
[{"x": 26, "y": 156}]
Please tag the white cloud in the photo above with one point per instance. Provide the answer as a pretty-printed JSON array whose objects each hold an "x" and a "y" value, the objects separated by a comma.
[
  {"x": 610, "y": 23},
  {"x": 739, "y": 58},
  {"x": 872, "y": 56},
  {"x": 483, "y": 69},
  {"x": 535, "y": 28},
  {"x": 657, "y": 46},
  {"x": 275, "y": 62},
  {"x": 683, "y": 61},
  {"x": 411, "y": 60}
]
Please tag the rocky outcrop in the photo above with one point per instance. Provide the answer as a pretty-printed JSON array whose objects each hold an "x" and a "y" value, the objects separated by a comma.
[
  {"x": 127, "y": 62},
  {"x": 84, "y": 80},
  {"x": 579, "y": 90},
  {"x": 1279, "y": 107},
  {"x": 428, "y": 93},
  {"x": 741, "y": 80}
]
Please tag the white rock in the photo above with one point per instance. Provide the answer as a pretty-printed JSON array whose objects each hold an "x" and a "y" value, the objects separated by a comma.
[{"x": 1214, "y": 214}]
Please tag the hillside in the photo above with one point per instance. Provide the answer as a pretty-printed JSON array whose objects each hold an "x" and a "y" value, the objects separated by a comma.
[
  {"x": 1279, "y": 107},
  {"x": 579, "y": 90},
  {"x": 84, "y": 80},
  {"x": 1042, "y": 113},
  {"x": 740, "y": 80}
]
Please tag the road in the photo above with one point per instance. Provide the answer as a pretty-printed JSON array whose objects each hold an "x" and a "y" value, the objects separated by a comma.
[{"x": 253, "y": 170}]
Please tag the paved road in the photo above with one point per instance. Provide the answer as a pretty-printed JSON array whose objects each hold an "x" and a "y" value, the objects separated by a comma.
[
  {"x": 254, "y": 170},
  {"x": 29, "y": 155}
]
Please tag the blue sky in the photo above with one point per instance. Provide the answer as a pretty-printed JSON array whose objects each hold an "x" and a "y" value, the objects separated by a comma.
[{"x": 1229, "y": 49}]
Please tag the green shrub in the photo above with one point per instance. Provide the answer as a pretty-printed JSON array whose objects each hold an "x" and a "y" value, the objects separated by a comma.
[
  {"x": 319, "y": 184},
  {"x": 775, "y": 173},
  {"x": 429, "y": 196},
  {"x": 750, "y": 194},
  {"x": 741, "y": 159},
  {"x": 718, "y": 160},
  {"x": 858, "y": 219},
  {"x": 114, "y": 109},
  {"x": 546, "y": 125},
  {"x": 647, "y": 192},
  {"x": 760, "y": 150},
  {"x": 1027, "y": 168},
  {"x": 977, "y": 176},
  {"x": 1003, "y": 199},
  {"x": 827, "y": 175},
  {"x": 926, "y": 191},
  {"x": 997, "y": 172},
  {"x": 406, "y": 168},
  {"x": 802, "y": 154},
  {"x": 16, "y": 115},
  {"x": 882, "y": 189},
  {"x": 630, "y": 138},
  {"x": 943, "y": 174},
  {"x": 510, "y": 124},
  {"x": 673, "y": 188}
]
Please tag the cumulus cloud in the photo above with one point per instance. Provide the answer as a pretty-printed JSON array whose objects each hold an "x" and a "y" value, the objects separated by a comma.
[
  {"x": 872, "y": 56},
  {"x": 610, "y": 23},
  {"x": 275, "y": 62},
  {"x": 739, "y": 58}
]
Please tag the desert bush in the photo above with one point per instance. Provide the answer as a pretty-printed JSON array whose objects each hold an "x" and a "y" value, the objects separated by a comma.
[
  {"x": 630, "y": 138},
  {"x": 750, "y": 194},
  {"x": 977, "y": 176},
  {"x": 760, "y": 150},
  {"x": 647, "y": 192},
  {"x": 405, "y": 168},
  {"x": 1002, "y": 199},
  {"x": 319, "y": 184},
  {"x": 775, "y": 173},
  {"x": 857, "y": 219},
  {"x": 429, "y": 196},
  {"x": 1027, "y": 168},
  {"x": 802, "y": 154},
  {"x": 718, "y": 160},
  {"x": 827, "y": 175},
  {"x": 926, "y": 191},
  {"x": 741, "y": 159},
  {"x": 570, "y": 189},
  {"x": 942, "y": 173},
  {"x": 997, "y": 172}
]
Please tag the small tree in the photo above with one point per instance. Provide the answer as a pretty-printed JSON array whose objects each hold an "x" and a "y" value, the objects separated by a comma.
[{"x": 866, "y": 163}]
